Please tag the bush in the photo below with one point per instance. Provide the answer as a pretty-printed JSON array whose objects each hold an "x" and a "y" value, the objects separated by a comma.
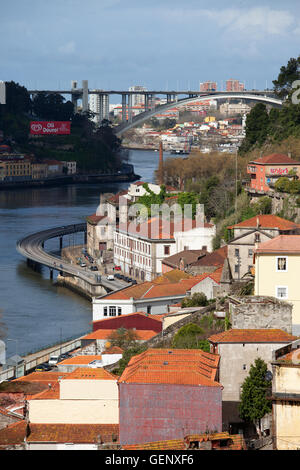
[{"x": 198, "y": 299}]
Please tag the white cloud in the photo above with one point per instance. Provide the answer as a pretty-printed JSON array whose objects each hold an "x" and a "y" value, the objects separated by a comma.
[{"x": 67, "y": 48}]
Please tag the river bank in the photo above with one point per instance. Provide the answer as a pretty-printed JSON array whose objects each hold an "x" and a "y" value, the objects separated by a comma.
[{"x": 72, "y": 179}]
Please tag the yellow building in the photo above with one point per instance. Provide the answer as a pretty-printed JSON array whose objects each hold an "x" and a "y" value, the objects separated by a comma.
[
  {"x": 210, "y": 119},
  {"x": 286, "y": 397},
  {"x": 277, "y": 266},
  {"x": 84, "y": 396},
  {"x": 15, "y": 169},
  {"x": 39, "y": 170}
]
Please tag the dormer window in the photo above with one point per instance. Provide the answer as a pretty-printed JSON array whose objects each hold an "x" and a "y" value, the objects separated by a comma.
[{"x": 257, "y": 238}]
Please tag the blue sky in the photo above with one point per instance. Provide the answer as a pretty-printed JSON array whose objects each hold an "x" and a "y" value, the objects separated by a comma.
[{"x": 166, "y": 44}]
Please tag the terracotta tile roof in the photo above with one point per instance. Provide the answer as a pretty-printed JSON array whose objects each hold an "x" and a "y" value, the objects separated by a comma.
[
  {"x": 275, "y": 158},
  {"x": 142, "y": 314},
  {"x": 280, "y": 244},
  {"x": 267, "y": 221},
  {"x": 156, "y": 228},
  {"x": 252, "y": 336},
  {"x": 113, "y": 350},
  {"x": 215, "y": 258},
  {"x": 158, "y": 288},
  {"x": 51, "y": 393},
  {"x": 172, "y": 366},
  {"x": 189, "y": 256},
  {"x": 291, "y": 357},
  {"x": 142, "y": 335},
  {"x": 86, "y": 373},
  {"x": 236, "y": 442},
  {"x": 73, "y": 433},
  {"x": 13, "y": 434},
  {"x": 172, "y": 444},
  {"x": 80, "y": 359},
  {"x": 94, "y": 219},
  {"x": 115, "y": 198}
]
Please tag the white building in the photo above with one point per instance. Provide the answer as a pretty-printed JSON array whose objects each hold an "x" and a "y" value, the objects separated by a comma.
[
  {"x": 140, "y": 248},
  {"x": 138, "y": 99},
  {"x": 99, "y": 104}
]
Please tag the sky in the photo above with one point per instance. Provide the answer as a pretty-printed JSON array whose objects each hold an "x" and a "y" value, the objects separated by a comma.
[{"x": 160, "y": 44}]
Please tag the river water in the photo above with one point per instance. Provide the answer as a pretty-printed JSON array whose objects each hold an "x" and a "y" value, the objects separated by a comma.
[{"x": 34, "y": 312}]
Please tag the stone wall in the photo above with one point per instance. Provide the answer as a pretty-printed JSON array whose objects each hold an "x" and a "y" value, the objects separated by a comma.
[{"x": 260, "y": 312}]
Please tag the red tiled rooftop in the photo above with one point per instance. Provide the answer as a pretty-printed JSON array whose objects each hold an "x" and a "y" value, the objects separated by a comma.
[
  {"x": 281, "y": 244},
  {"x": 266, "y": 221},
  {"x": 75, "y": 433},
  {"x": 252, "y": 336},
  {"x": 156, "y": 228},
  {"x": 86, "y": 373},
  {"x": 13, "y": 434},
  {"x": 276, "y": 158},
  {"x": 142, "y": 335},
  {"x": 172, "y": 366},
  {"x": 80, "y": 359}
]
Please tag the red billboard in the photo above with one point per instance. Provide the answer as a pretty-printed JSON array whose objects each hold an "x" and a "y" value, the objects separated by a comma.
[{"x": 50, "y": 127}]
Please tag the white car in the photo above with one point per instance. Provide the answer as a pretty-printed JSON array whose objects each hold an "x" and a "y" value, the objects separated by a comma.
[
  {"x": 53, "y": 360},
  {"x": 110, "y": 277}
]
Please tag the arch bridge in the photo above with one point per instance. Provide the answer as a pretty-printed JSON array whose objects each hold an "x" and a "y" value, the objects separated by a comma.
[{"x": 140, "y": 118}]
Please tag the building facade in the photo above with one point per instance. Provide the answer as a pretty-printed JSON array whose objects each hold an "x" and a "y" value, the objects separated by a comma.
[
  {"x": 277, "y": 264},
  {"x": 265, "y": 172}
]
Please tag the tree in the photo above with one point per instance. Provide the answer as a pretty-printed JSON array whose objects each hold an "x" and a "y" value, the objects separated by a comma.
[
  {"x": 254, "y": 403},
  {"x": 198, "y": 299},
  {"x": 287, "y": 75},
  {"x": 190, "y": 336},
  {"x": 128, "y": 354},
  {"x": 123, "y": 338},
  {"x": 52, "y": 106},
  {"x": 257, "y": 123}
]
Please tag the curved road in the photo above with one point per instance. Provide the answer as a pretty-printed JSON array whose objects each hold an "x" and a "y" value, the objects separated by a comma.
[{"x": 31, "y": 247}]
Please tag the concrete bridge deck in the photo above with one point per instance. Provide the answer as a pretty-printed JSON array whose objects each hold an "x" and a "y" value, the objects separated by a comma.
[{"x": 32, "y": 248}]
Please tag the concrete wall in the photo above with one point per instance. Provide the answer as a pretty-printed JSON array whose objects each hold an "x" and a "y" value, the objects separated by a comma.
[
  {"x": 261, "y": 312},
  {"x": 76, "y": 389},
  {"x": 206, "y": 287},
  {"x": 154, "y": 412},
  {"x": 234, "y": 372}
]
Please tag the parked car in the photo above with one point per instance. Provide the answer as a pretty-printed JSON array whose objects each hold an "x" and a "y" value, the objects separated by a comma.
[
  {"x": 53, "y": 360},
  {"x": 93, "y": 268},
  {"x": 64, "y": 356},
  {"x": 133, "y": 281},
  {"x": 43, "y": 367},
  {"x": 118, "y": 276},
  {"x": 110, "y": 277},
  {"x": 117, "y": 268},
  {"x": 83, "y": 265}
]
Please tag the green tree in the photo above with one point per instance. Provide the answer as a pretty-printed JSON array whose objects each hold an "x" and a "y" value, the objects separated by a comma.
[
  {"x": 254, "y": 403},
  {"x": 190, "y": 336},
  {"x": 123, "y": 338},
  {"x": 128, "y": 354},
  {"x": 287, "y": 75},
  {"x": 198, "y": 299},
  {"x": 52, "y": 106},
  {"x": 257, "y": 123}
]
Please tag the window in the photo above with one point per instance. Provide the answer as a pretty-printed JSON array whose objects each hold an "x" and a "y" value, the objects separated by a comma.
[
  {"x": 281, "y": 263},
  {"x": 244, "y": 367},
  {"x": 250, "y": 253},
  {"x": 105, "y": 311},
  {"x": 281, "y": 292},
  {"x": 149, "y": 309},
  {"x": 257, "y": 238},
  {"x": 250, "y": 267},
  {"x": 236, "y": 268},
  {"x": 166, "y": 249},
  {"x": 112, "y": 311},
  {"x": 237, "y": 252},
  {"x": 119, "y": 311}
]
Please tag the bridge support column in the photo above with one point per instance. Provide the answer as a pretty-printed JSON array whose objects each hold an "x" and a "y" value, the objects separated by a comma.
[
  {"x": 124, "y": 96},
  {"x": 85, "y": 237},
  {"x": 130, "y": 108},
  {"x": 60, "y": 243},
  {"x": 51, "y": 274}
]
